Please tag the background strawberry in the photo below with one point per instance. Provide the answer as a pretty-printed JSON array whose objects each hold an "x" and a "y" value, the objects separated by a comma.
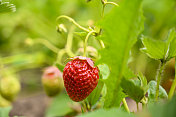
[
  {"x": 80, "y": 78},
  {"x": 9, "y": 87},
  {"x": 52, "y": 81}
]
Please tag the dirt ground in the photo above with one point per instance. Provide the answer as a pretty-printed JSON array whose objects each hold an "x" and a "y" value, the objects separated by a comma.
[{"x": 33, "y": 106}]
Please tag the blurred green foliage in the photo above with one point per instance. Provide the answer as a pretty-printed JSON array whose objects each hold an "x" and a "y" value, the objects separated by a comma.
[{"x": 160, "y": 16}]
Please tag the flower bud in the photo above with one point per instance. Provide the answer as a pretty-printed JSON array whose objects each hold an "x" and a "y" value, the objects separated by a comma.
[
  {"x": 52, "y": 81},
  {"x": 61, "y": 28},
  {"x": 9, "y": 87}
]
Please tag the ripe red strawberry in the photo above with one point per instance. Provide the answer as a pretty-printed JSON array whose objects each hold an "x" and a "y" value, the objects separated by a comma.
[{"x": 80, "y": 78}]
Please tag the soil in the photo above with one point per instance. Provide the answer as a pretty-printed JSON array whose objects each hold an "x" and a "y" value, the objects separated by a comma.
[{"x": 33, "y": 106}]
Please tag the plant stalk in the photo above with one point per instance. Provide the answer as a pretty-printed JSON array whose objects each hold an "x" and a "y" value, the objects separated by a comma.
[
  {"x": 74, "y": 22},
  {"x": 137, "y": 106},
  {"x": 112, "y": 3},
  {"x": 125, "y": 105},
  {"x": 48, "y": 45},
  {"x": 60, "y": 54},
  {"x": 172, "y": 89},
  {"x": 85, "y": 43},
  {"x": 158, "y": 78},
  {"x": 102, "y": 43},
  {"x": 68, "y": 46}
]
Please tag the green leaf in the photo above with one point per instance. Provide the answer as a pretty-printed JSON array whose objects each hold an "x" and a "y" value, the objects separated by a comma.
[
  {"x": 121, "y": 28},
  {"x": 172, "y": 49},
  {"x": 114, "y": 112},
  {"x": 143, "y": 81},
  {"x": 171, "y": 36},
  {"x": 4, "y": 111},
  {"x": 133, "y": 89},
  {"x": 130, "y": 87},
  {"x": 172, "y": 46},
  {"x": 128, "y": 73},
  {"x": 160, "y": 50},
  {"x": 60, "y": 67},
  {"x": 7, "y": 7},
  {"x": 95, "y": 95},
  {"x": 104, "y": 71},
  {"x": 152, "y": 91},
  {"x": 154, "y": 48},
  {"x": 59, "y": 106}
]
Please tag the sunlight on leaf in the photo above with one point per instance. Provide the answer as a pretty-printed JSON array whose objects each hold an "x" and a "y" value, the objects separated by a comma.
[
  {"x": 121, "y": 28},
  {"x": 7, "y": 7},
  {"x": 152, "y": 91},
  {"x": 160, "y": 50}
]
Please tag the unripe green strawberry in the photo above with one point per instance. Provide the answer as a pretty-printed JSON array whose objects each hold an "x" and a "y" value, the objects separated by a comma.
[
  {"x": 9, "y": 87},
  {"x": 4, "y": 102},
  {"x": 52, "y": 81},
  {"x": 80, "y": 78}
]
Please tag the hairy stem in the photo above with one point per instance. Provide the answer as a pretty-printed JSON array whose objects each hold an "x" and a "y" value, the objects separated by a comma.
[
  {"x": 102, "y": 43},
  {"x": 125, "y": 105},
  {"x": 68, "y": 46},
  {"x": 112, "y": 3},
  {"x": 73, "y": 21},
  {"x": 172, "y": 89},
  {"x": 85, "y": 43},
  {"x": 104, "y": 2},
  {"x": 137, "y": 106},
  {"x": 60, "y": 55},
  {"x": 47, "y": 44},
  {"x": 158, "y": 78}
]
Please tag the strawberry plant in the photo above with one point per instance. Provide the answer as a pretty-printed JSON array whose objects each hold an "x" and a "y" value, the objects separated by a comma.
[
  {"x": 93, "y": 73},
  {"x": 116, "y": 33}
]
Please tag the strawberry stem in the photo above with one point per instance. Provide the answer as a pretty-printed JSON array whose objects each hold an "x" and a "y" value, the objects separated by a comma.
[
  {"x": 125, "y": 105},
  {"x": 47, "y": 44},
  {"x": 112, "y": 3},
  {"x": 60, "y": 55},
  {"x": 85, "y": 43},
  {"x": 137, "y": 106},
  {"x": 74, "y": 22},
  {"x": 43, "y": 42},
  {"x": 68, "y": 46},
  {"x": 172, "y": 89},
  {"x": 158, "y": 78},
  {"x": 105, "y": 2},
  {"x": 102, "y": 43}
]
